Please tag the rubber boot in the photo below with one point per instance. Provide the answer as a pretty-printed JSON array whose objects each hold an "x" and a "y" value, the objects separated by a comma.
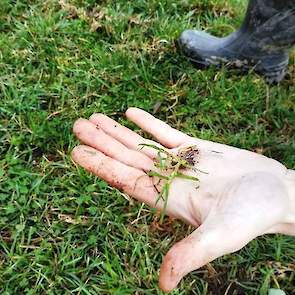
[{"x": 262, "y": 43}]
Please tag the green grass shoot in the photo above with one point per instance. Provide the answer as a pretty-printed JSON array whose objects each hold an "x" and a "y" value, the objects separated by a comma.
[{"x": 170, "y": 166}]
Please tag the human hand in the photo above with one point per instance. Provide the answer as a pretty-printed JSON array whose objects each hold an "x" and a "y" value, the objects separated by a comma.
[{"x": 240, "y": 195}]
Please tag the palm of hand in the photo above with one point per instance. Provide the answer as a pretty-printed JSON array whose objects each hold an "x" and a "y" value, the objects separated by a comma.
[{"x": 239, "y": 196}]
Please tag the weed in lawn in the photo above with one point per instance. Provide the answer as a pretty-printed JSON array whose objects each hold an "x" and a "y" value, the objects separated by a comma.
[{"x": 170, "y": 167}]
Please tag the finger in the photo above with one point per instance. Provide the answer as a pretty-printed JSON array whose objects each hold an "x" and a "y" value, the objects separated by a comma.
[
  {"x": 165, "y": 134},
  {"x": 245, "y": 210},
  {"x": 127, "y": 137},
  {"x": 128, "y": 179},
  {"x": 98, "y": 139},
  {"x": 201, "y": 247}
]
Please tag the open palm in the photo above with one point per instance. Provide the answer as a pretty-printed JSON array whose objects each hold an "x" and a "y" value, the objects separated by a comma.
[{"x": 239, "y": 194}]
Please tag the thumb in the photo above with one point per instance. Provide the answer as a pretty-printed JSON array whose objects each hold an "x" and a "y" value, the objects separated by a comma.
[
  {"x": 251, "y": 207},
  {"x": 199, "y": 248}
]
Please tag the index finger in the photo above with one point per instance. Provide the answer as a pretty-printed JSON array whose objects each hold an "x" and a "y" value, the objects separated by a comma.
[{"x": 165, "y": 134}]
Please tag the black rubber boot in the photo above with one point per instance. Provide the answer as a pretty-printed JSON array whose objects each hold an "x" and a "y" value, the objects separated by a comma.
[{"x": 262, "y": 43}]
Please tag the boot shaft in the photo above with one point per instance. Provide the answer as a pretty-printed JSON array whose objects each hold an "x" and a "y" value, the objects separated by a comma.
[
  {"x": 260, "y": 11},
  {"x": 271, "y": 23},
  {"x": 262, "y": 43}
]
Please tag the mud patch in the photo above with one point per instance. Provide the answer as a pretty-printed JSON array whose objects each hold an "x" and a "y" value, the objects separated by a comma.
[
  {"x": 91, "y": 153},
  {"x": 189, "y": 154}
]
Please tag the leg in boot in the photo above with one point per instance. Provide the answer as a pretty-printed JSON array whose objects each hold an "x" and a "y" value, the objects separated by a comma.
[{"x": 263, "y": 42}]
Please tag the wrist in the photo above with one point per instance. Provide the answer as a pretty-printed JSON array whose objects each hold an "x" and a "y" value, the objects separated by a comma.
[
  {"x": 287, "y": 226},
  {"x": 290, "y": 184}
]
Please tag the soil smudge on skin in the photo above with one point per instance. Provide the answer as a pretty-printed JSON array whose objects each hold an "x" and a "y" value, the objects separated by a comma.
[
  {"x": 90, "y": 152},
  {"x": 215, "y": 152}
]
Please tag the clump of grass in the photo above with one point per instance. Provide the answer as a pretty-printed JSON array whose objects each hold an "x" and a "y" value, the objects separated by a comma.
[{"x": 170, "y": 166}]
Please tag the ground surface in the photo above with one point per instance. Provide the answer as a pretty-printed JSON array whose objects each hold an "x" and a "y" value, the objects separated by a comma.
[{"x": 62, "y": 230}]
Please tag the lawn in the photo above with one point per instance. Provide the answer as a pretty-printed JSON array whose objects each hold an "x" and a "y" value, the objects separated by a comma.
[{"x": 63, "y": 231}]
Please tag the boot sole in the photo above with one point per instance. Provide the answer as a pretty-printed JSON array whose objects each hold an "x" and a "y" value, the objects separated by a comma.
[{"x": 271, "y": 76}]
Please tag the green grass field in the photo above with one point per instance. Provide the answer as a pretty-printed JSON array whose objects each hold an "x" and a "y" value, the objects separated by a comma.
[{"x": 64, "y": 231}]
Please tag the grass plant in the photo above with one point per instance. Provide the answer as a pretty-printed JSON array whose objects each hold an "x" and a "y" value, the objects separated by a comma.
[{"x": 170, "y": 167}]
